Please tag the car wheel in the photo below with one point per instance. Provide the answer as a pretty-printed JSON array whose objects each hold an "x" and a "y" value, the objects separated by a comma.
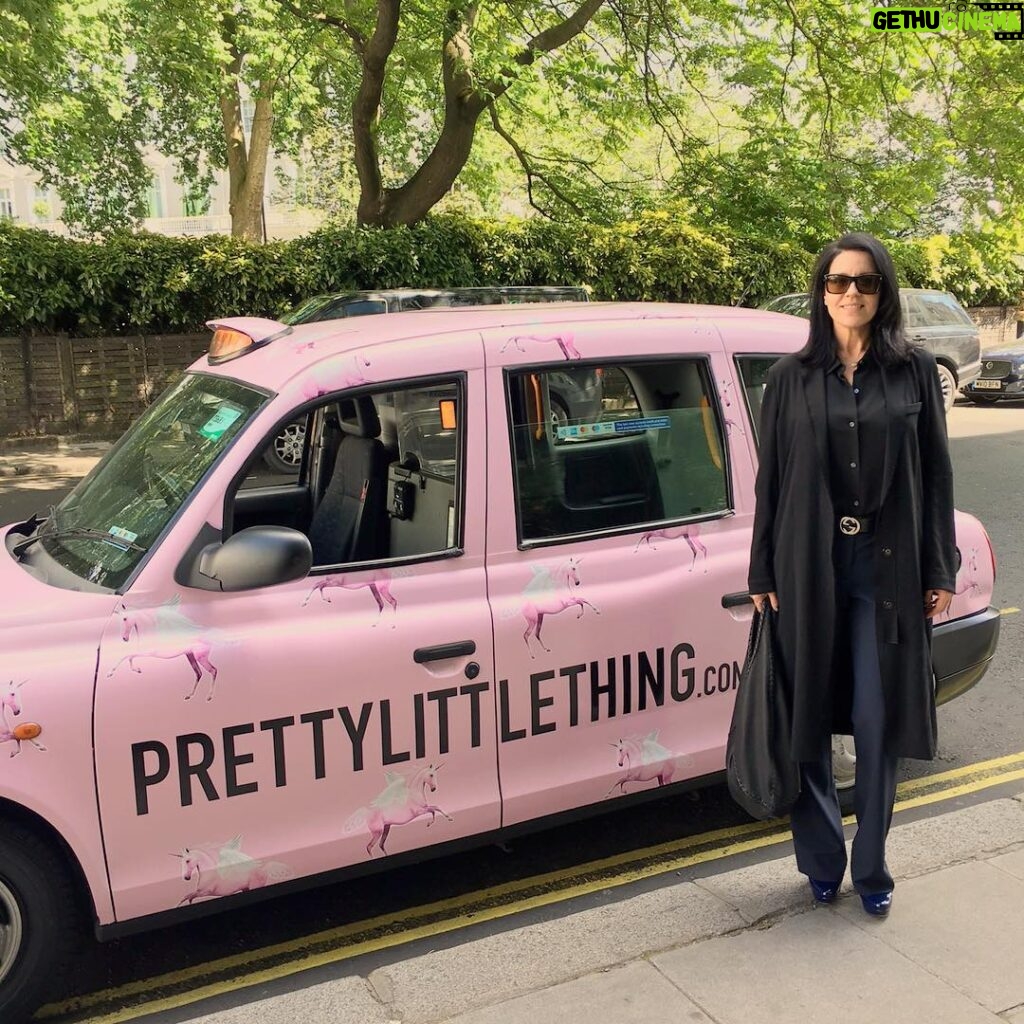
[
  {"x": 982, "y": 399},
  {"x": 285, "y": 454},
  {"x": 844, "y": 762},
  {"x": 40, "y": 921},
  {"x": 947, "y": 378},
  {"x": 559, "y": 413}
]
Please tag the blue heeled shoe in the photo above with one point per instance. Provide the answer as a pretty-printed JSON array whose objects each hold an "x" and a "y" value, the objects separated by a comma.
[
  {"x": 877, "y": 904},
  {"x": 824, "y": 892}
]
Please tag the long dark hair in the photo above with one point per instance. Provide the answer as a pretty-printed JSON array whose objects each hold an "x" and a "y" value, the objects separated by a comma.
[{"x": 887, "y": 338}]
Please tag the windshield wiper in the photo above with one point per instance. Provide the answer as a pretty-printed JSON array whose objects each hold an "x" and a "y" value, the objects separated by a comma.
[{"x": 80, "y": 532}]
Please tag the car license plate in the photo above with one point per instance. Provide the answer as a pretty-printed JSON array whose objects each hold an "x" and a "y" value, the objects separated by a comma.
[{"x": 989, "y": 385}]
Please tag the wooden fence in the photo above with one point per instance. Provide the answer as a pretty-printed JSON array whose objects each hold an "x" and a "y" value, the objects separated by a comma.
[{"x": 59, "y": 385}]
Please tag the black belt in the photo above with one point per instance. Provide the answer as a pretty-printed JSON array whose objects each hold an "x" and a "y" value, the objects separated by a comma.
[{"x": 850, "y": 526}]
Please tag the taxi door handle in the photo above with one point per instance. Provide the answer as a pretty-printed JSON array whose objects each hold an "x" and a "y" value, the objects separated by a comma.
[
  {"x": 736, "y": 600},
  {"x": 460, "y": 649}
]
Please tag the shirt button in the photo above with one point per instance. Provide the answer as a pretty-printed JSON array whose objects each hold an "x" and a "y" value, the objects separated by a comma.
[
  {"x": 887, "y": 552},
  {"x": 856, "y": 391},
  {"x": 853, "y": 465},
  {"x": 852, "y": 424},
  {"x": 856, "y": 504},
  {"x": 887, "y": 605}
]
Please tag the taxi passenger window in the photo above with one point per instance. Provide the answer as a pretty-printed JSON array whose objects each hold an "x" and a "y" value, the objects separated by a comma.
[
  {"x": 381, "y": 480},
  {"x": 601, "y": 448}
]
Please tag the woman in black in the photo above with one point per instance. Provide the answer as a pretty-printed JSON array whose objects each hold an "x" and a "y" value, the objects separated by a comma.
[{"x": 854, "y": 547}]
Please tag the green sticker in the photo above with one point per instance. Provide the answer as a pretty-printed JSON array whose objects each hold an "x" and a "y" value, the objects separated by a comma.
[{"x": 215, "y": 427}]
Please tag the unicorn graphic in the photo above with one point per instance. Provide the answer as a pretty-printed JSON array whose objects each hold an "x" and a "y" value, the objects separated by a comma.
[
  {"x": 27, "y": 732},
  {"x": 563, "y": 341},
  {"x": 172, "y": 635},
  {"x": 690, "y": 533},
  {"x": 326, "y": 379},
  {"x": 378, "y": 583},
  {"x": 222, "y": 869},
  {"x": 405, "y": 797},
  {"x": 549, "y": 592},
  {"x": 644, "y": 759},
  {"x": 726, "y": 388},
  {"x": 966, "y": 581}
]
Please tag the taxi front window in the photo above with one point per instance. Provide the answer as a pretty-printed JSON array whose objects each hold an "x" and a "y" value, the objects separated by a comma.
[{"x": 104, "y": 527}]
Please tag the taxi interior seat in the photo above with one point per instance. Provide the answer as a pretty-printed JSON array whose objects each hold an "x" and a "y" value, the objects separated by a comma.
[
  {"x": 610, "y": 483},
  {"x": 348, "y": 524}
]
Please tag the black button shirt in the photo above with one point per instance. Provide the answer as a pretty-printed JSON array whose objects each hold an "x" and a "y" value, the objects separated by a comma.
[{"x": 856, "y": 437}]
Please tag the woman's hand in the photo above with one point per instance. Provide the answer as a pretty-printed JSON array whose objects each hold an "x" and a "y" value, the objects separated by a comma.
[
  {"x": 936, "y": 602},
  {"x": 758, "y": 600}
]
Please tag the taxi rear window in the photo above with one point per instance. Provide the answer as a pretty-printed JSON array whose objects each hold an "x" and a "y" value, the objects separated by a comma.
[{"x": 754, "y": 375}]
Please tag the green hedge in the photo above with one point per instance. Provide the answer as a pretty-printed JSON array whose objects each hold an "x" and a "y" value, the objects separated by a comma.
[{"x": 155, "y": 284}]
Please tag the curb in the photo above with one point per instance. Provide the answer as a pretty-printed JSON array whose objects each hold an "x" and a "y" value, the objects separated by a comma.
[{"x": 52, "y": 442}]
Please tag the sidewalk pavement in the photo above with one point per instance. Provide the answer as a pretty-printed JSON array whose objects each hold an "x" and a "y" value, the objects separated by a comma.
[
  {"x": 745, "y": 946},
  {"x": 49, "y": 456}
]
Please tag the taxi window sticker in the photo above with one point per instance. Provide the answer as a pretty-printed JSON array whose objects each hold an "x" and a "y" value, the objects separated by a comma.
[
  {"x": 220, "y": 422},
  {"x": 597, "y": 429}
]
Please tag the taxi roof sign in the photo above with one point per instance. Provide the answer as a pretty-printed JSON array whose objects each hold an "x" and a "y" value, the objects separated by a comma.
[{"x": 236, "y": 335}]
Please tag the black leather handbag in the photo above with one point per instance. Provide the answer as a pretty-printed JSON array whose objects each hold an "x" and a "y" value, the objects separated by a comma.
[{"x": 763, "y": 778}]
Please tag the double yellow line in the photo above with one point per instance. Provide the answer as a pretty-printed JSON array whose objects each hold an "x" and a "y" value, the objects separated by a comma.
[{"x": 190, "y": 985}]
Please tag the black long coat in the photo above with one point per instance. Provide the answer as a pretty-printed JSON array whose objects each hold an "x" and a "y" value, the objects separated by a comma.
[{"x": 914, "y": 546}]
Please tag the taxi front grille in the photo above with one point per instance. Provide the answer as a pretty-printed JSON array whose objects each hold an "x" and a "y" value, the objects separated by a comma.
[{"x": 996, "y": 368}]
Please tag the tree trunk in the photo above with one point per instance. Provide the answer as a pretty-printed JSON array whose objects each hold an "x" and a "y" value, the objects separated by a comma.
[
  {"x": 466, "y": 98},
  {"x": 430, "y": 184},
  {"x": 247, "y": 168}
]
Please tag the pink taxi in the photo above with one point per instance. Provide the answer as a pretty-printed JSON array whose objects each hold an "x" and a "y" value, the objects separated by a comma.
[{"x": 467, "y": 611}]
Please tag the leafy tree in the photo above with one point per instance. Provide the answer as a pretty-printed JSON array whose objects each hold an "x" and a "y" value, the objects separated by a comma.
[{"x": 91, "y": 85}]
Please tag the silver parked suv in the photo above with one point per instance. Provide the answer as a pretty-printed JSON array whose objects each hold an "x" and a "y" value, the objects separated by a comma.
[{"x": 931, "y": 318}]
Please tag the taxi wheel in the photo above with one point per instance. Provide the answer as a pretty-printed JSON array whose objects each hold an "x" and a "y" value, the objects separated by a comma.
[
  {"x": 982, "y": 399},
  {"x": 40, "y": 921}
]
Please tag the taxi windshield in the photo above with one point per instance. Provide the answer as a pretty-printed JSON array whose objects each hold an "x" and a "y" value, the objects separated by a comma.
[{"x": 103, "y": 528}]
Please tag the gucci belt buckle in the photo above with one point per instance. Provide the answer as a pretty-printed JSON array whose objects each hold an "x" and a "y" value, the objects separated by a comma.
[{"x": 849, "y": 526}]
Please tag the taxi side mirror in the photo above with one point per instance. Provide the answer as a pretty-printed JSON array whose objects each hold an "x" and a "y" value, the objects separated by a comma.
[{"x": 260, "y": 556}]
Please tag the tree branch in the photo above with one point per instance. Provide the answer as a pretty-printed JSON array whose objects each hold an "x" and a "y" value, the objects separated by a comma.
[
  {"x": 531, "y": 173},
  {"x": 545, "y": 41},
  {"x": 329, "y": 20}
]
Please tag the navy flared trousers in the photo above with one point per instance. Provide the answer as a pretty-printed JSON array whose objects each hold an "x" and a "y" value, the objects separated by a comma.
[{"x": 816, "y": 818}]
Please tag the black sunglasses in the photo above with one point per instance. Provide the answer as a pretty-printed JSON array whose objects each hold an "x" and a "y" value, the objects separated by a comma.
[{"x": 839, "y": 284}]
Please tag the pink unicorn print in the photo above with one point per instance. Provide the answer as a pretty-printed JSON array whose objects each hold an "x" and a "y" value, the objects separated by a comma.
[
  {"x": 330, "y": 378},
  {"x": 379, "y": 585},
  {"x": 27, "y": 732},
  {"x": 726, "y": 389},
  {"x": 222, "y": 869},
  {"x": 549, "y": 592},
  {"x": 563, "y": 341},
  {"x": 966, "y": 581},
  {"x": 9, "y": 698},
  {"x": 644, "y": 759},
  {"x": 690, "y": 533},
  {"x": 173, "y": 635},
  {"x": 404, "y": 799}
]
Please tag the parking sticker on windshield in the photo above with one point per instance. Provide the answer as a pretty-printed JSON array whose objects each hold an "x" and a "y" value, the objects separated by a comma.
[
  {"x": 616, "y": 427},
  {"x": 216, "y": 426},
  {"x": 123, "y": 534}
]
